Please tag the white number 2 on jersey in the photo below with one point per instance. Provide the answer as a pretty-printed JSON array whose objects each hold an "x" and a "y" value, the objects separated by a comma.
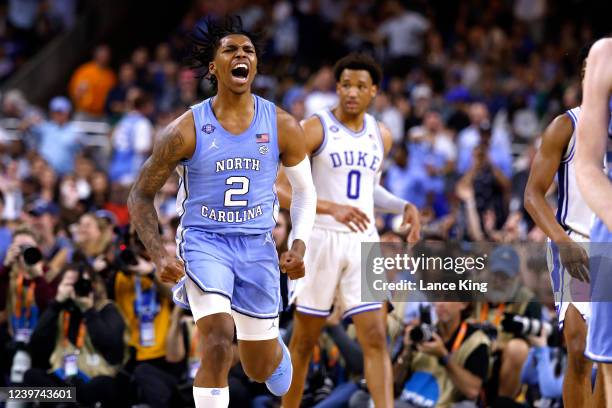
[{"x": 243, "y": 189}]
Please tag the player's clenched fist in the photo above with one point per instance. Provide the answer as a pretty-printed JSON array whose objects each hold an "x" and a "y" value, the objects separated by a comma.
[
  {"x": 292, "y": 261},
  {"x": 292, "y": 264},
  {"x": 171, "y": 271}
]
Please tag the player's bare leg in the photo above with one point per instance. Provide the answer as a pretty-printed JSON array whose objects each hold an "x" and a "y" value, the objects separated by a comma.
[
  {"x": 577, "y": 390},
  {"x": 217, "y": 354},
  {"x": 606, "y": 370},
  {"x": 372, "y": 336},
  {"x": 599, "y": 394},
  {"x": 260, "y": 358},
  {"x": 306, "y": 331}
]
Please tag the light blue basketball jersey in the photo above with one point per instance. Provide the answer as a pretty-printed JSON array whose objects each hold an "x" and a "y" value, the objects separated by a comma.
[
  {"x": 227, "y": 187},
  {"x": 599, "y": 335}
]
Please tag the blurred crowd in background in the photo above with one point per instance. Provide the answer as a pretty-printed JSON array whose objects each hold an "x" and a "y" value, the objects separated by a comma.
[
  {"x": 468, "y": 87},
  {"x": 27, "y": 25}
]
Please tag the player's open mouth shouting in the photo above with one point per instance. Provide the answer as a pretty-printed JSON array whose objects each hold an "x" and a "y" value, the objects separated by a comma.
[{"x": 240, "y": 72}]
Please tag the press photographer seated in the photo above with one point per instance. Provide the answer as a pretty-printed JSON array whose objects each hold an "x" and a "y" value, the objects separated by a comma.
[
  {"x": 443, "y": 365},
  {"x": 78, "y": 340},
  {"x": 24, "y": 295},
  {"x": 509, "y": 318},
  {"x": 144, "y": 301}
]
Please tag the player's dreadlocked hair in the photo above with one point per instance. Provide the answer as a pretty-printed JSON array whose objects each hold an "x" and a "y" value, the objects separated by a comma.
[
  {"x": 206, "y": 38},
  {"x": 359, "y": 61}
]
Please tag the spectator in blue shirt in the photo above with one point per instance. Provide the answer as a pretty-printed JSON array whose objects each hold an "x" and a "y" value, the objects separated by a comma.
[
  {"x": 132, "y": 140},
  {"x": 58, "y": 140},
  {"x": 499, "y": 152},
  {"x": 544, "y": 368},
  {"x": 5, "y": 232},
  {"x": 405, "y": 179}
]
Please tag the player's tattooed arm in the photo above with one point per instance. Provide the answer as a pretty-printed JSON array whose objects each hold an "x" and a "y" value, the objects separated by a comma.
[
  {"x": 592, "y": 132},
  {"x": 176, "y": 143}
]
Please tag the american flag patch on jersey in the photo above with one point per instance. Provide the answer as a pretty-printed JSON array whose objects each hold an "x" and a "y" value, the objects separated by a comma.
[{"x": 262, "y": 138}]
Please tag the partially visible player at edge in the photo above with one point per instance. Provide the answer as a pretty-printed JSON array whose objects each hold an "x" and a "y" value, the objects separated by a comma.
[
  {"x": 227, "y": 150},
  {"x": 347, "y": 148},
  {"x": 568, "y": 261},
  {"x": 596, "y": 188}
]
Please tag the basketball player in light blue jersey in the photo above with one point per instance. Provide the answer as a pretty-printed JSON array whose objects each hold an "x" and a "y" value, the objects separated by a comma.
[
  {"x": 568, "y": 261},
  {"x": 227, "y": 150},
  {"x": 593, "y": 133}
]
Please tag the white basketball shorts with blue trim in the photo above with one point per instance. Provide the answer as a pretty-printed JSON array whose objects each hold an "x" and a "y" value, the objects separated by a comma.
[
  {"x": 566, "y": 289},
  {"x": 333, "y": 269}
]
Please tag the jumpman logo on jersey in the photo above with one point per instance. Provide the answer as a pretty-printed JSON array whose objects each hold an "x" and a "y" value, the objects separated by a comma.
[
  {"x": 273, "y": 325},
  {"x": 213, "y": 144},
  {"x": 268, "y": 239}
]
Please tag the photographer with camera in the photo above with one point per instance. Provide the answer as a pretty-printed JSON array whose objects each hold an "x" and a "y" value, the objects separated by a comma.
[
  {"x": 544, "y": 370},
  {"x": 43, "y": 217},
  {"x": 442, "y": 365},
  {"x": 78, "y": 340},
  {"x": 172, "y": 385},
  {"x": 510, "y": 316},
  {"x": 488, "y": 176},
  {"x": 145, "y": 302},
  {"x": 24, "y": 295}
]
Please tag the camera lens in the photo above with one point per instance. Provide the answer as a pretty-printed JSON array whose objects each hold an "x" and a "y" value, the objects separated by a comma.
[
  {"x": 416, "y": 334},
  {"x": 31, "y": 255},
  {"x": 82, "y": 287},
  {"x": 421, "y": 333},
  {"x": 128, "y": 257}
]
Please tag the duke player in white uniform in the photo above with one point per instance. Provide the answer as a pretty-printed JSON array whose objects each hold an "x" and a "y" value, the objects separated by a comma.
[
  {"x": 567, "y": 261},
  {"x": 347, "y": 148},
  {"x": 227, "y": 150},
  {"x": 593, "y": 133}
]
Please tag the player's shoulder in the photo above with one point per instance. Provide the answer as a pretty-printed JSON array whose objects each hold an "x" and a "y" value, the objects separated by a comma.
[
  {"x": 566, "y": 121},
  {"x": 313, "y": 124},
  {"x": 602, "y": 48},
  {"x": 184, "y": 124},
  {"x": 385, "y": 135},
  {"x": 284, "y": 120},
  {"x": 384, "y": 130},
  {"x": 558, "y": 133},
  {"x": 288, "y": 129},
  {"x": 177, "y": 140},
  {"x": 598, "y": 61}
]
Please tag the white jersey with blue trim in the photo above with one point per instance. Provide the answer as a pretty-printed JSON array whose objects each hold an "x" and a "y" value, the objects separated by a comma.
[
  {"x": 345, "y": 166},
  {"x": 572, "y": 211}
]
